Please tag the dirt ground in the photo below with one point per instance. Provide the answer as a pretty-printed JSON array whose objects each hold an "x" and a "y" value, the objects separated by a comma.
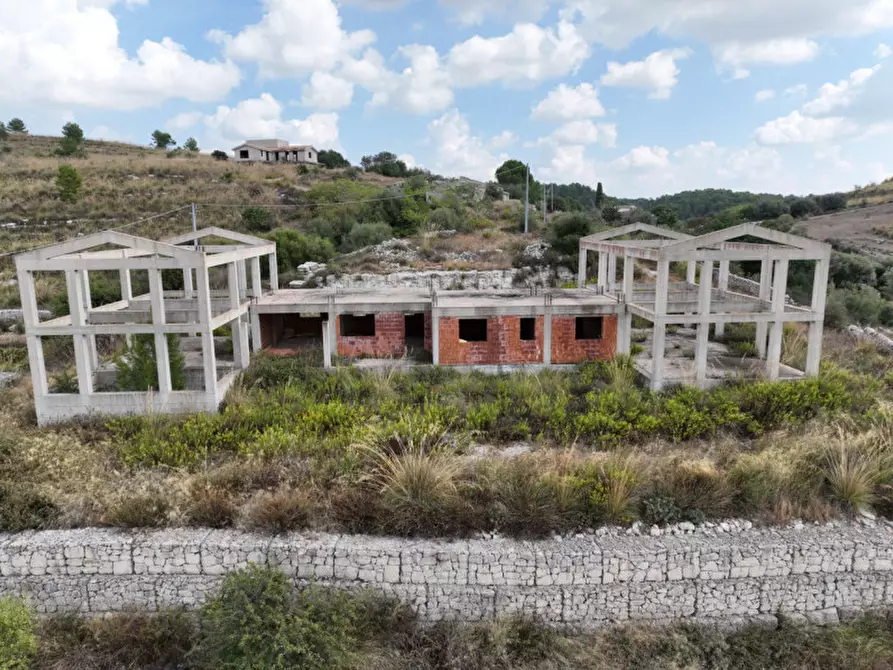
[{"x": 870, "y": 229}]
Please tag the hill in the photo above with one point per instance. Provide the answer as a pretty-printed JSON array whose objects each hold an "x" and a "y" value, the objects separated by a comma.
[{"x": 704, "y": 202}]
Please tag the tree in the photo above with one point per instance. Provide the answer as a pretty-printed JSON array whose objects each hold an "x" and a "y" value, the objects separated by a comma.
[
  {"x": 665, "y": 216},
  {"x": 513, "y": 172},
  {"x": 16, "y": 125},
  {"x": 191, "y": 145},
  {"x": 804, "y": 207},
  {"x": 599, "y": 196},
  {"x": 387, "y": 164},
  {"x": 162, "y": 140},
  {"x": 72, "y": 140},
  {"x": 257, "y": 219},
  {"x": 566, "y": 231},
  {"x": 68, "y": 181},
  {"x": 4, "y": 134},
  {"x": 611, "y": 214},
  {"x": 769, "y": 209},
  {"x": 367, "y": 234},
  {"x": 138, "y": 367},
  {"x": 833, "y": 202},
  {"x": 294, "y": 248},
  {"x": 332, "y": 159},
  {"x": 219, "y": 155}
]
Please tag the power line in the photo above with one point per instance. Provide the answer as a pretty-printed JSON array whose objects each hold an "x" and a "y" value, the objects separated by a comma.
[{"x": 314, "y": 204}]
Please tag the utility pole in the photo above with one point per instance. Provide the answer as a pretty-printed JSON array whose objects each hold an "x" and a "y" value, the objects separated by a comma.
[
  {"x": 527, "y": 200},
  {"x": 544, "y": 206},
  {"x": 194, "y": 221}
]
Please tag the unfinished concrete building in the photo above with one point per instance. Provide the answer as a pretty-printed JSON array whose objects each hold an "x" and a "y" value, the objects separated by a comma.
[
  {"x": 706, "y": 298},
  {"x": 193, "y": 312}
]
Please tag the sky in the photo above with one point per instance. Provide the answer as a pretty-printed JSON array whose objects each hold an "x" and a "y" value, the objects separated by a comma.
[{"x": 647, "y": 96}]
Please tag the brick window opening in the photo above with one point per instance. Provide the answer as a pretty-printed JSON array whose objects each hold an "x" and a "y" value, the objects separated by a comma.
[
  {"x": 589, "y": 328},
  {"x": 415, "y": 326},
  {"x": 473, "y": 330},
  {"x": 528, "y": 330},
  {"x": 243, "y": 153},
  {"x": 357, "y": 326}
]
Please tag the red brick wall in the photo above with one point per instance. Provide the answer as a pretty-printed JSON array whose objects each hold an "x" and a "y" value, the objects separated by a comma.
[
  {"x": 389, "y": 340},
  {"x": 503, "y": 346},
  {"x": 567, "y": 349}
]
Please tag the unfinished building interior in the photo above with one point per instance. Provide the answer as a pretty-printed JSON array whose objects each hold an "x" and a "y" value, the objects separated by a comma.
[
  {"x": 190, "y": 314},
  {"x": 495, "y": 330},
  {"x": 707, "y": 297}
]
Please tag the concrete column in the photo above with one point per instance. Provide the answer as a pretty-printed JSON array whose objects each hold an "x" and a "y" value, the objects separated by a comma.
[
  {"x": 159, "y": 318},
  {"x": 35, "y": 345},
  {"x": 602, "y": 268},
  {"x": 581, "y": 268},
  {"x": 816, "y": 327},
  {"x": 326, "y": 346},
  {"x": 703, "y": 323},
  {"x": 435, "y": 329},
  {"x": 612, "y": 271},
  {"x": 188, "y": 284},
  {"x": 547, "y": 330},
  {"x": 126, "y": 286},
  {"x": 81, "y": 346},
  {"x": 88, "y": 305},
  {"x": 274, "y": 273},
  {"x": 765, "y": 295},
  {"x": 209, "y": 356},
  {"x": 691, "y": 269},
  {"x": 243, "y": 280},
  {"x": 625, "y": 318},
  {"x": 331, "y": 334},
  {"x": 239, "y": 327},
  {"x": 659, "y": 337},
  {"x": 723, "y": 286},
  {"x": 256, "y": 292},
  {"x": 779, "y": 289}
]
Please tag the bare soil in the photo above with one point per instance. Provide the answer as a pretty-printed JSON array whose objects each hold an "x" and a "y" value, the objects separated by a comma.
[{"x": 870, "y": 229}]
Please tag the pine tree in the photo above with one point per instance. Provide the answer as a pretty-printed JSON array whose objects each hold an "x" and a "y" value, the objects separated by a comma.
[{"x": 599, "y": 196}]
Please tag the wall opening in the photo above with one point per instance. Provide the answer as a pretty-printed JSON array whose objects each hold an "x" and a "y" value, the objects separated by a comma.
[
  {"x": 353, "y": 325},
  {"x": 473, "y": 330},
  {"x": 589, "y": 328},
  {"x": 415, "y": 326},
  {"x": 528, "y": 330}
]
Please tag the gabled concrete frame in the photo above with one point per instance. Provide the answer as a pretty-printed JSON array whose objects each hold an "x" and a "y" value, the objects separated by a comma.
[
  {"x": 195, "y": 310},
  {"x": 701, "y": 303}
]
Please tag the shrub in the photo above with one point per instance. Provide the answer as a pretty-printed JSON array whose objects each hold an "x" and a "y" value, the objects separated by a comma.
[
  {"x": 68, "y": 183},
  {"x": 279, "y": 512},
  {"x": 366, "y": 235},
  {"x": 294, "y": 248},
  {"x": 140, "y": 511},
  {"x": 697, "y": 489},
  {"x": 852, "y": 475},
  {"x": 257, "y": 219},
  {"x": 137, "y": 366},
  {"x": 258, "y": 621},
  {"x": 211, "y": 507},
  {"x": 521, "y": 501},
  {"x": 18, "y": 643},
  {"x": 659, "y": 509},
  {"x": 23, "y": 508},
  {"x": 219, "y": 155}
]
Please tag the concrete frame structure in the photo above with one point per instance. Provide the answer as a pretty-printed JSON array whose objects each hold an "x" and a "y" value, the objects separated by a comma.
[
  {"x": 704, "y": 298},
  {"x": 194, "y": 310}
]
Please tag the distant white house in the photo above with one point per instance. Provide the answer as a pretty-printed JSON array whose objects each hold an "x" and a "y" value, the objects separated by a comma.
[{"x": 275, "y": 151}]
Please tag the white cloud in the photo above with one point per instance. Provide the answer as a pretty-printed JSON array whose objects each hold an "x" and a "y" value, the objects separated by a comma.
[
  {"x": 503, "y": 140},
  {"x": 569, "y": 164},
  {"x": 528, "y": 54},
  {"x": 410, "y": 161},
  {"x": 581, "y": 132},
  {"x": 421, "y": 88},
  {"x": 796, "y": 91},
  {"x": 184, "y": 121},
  {"x": 60, "y": 52},
  {"x": 261, "y": 118},
  {"x": 842, "y": 94},
  {"x": 657, "y": 73},
  {"x": 472, "y": 12},
  {"x": 326, "y": 91},
  {"x": 569, "y": 102},
  {"x": 734, "y": 55},
  {"x": 764, "y": 95},
  {"x": 108, "y": 134},
  {"x": 883, "y": 51},
  {"x": 457, "y": 151},
  {"x": 295, "y": 37},
  {"x": 644, "y": 157},
  {"x": 739, "y": 29},
  {"x": 795, "y": 128}
]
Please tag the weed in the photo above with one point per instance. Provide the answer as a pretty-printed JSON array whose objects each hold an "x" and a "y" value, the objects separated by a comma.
[
  {"x": 18, "y": 643},
  {"x": 278, "y": 512}
]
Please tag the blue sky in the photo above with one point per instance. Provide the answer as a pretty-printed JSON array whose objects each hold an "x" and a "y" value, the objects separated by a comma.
[{"x": 647, "y": 96}]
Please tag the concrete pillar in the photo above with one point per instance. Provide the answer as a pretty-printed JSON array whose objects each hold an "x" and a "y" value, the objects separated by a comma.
[
  {"x": 583, "y": 259},
  {"x": 331, "y": 334},
  {"x": 239, "y": 327},
  {"x": 765, "y": 294},
  {"x": 547, "y": 330},
  {"x": 326, "y": 346},
  {"x": 625, "y": 318},
  {"x": 256, "y": 292},
  {"x": 723, "y": 286},
  {"x": 35, "y": 345},
  {"x": 188, "y": 285},
  {"x": 602, "y": 268},
  {"x": 659, "y": 337},
  {"x": 243, "y": 281},
  {"x": 126, "y": 286},
  {"x": 776, "y": 333},
  {"x": 159, "y": 318},
  {"x": 81, "y": 347},
  {"x": 816, "y": 327},
  {"x": 691, "y": 269},
  {"x": 274, "y": 273},
  {"x": 435, "y": 330},
  {"x": 612, "y": 271},
  {"x": 88, "y": 305},
  {"x": 703, "y": 323},
  {"x": 209, "y": 356}
]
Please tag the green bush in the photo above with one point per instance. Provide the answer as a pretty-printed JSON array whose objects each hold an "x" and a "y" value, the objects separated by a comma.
[
  {"x": 68, "y": 183},
  {"x": 366, "y": 235},
  {"x": 18, "y": 643},
  {"x": 258, "y": 219},
  {"x": 257, "y": 620},
  {"x": 294, "y": 248},
  {"x": 137, "y": 366}
]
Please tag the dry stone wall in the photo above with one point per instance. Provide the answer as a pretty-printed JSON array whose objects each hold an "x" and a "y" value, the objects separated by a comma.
[{"x": 725, "y": 574}]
